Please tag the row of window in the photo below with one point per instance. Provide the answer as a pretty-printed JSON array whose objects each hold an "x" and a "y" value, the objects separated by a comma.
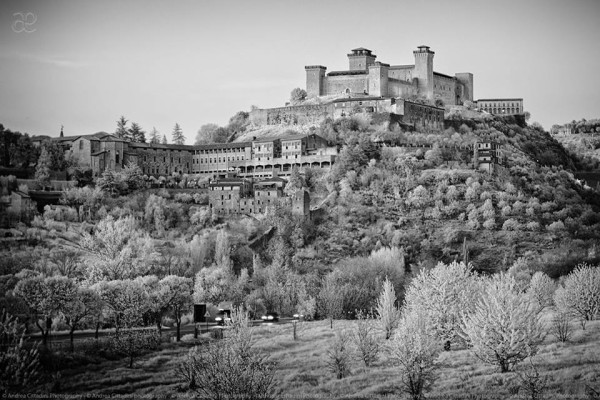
[
  {"x": 213, "y": 151},
  {"x": 500, "y": 104},
  {"x": 215, "y": 160},
  {"x": 156, "y": 171},
  {"x": 164, "y": 159},
  {"x": 494, "y": 110}
]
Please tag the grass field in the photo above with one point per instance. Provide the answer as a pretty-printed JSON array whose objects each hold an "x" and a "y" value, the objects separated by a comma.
[{"x": 569, "y": 369}]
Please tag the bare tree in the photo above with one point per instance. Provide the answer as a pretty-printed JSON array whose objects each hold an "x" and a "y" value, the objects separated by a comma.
[
  {"x": 561, "y": 327},
  {"x": 331, "y": 299}
]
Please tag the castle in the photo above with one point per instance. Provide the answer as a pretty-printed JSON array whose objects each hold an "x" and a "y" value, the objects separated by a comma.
[
  {"x": 415, "y": 93},
  {"x": 367, "y": 77}
]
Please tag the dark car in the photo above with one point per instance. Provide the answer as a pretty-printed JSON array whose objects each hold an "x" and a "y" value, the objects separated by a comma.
[
  {"x": 223, "y": 316},
  {"x": 270, "y": 317}
]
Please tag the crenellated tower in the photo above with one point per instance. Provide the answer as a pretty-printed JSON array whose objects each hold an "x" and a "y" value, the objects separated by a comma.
[
  {"x": 424, "y": 71},
  {"x": 315, "y": 76},
  {"x": 360, "y": 59}
]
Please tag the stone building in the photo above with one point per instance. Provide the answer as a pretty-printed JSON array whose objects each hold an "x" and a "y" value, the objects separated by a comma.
[
  {"x": 220, "y": 158},
  {"x": 488, "y": 156},
  {"x": 231, "y": 196},
  {"x": 163, "y": 159},
  {"x": 365, "y": 76},
  {"x": 261, "y": 158},
  {"x": 225, "y": 195},
  {"x": 98, "y": 151},
  {"x": 501, "y": 106}
]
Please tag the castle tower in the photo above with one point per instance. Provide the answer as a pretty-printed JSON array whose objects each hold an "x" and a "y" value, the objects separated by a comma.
[
  {"x": 466, "y": 79},
  {"x": 424, "y": 71},
  {"x": 301, "y": 203},
  {"x": 360, "y": 59},
  {"x": 315, "y": 77},
  {"x": 378, "y": 79}
]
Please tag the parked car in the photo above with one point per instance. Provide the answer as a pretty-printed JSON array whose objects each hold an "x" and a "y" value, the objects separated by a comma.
[
  {"x": 223, "y": 316},
  {"x": 270, "y": 317}
]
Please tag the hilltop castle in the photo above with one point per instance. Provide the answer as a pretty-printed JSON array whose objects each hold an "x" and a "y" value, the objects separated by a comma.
[{"x": 365, "y": 76}]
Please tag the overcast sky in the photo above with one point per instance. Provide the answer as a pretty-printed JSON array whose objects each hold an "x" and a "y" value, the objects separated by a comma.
[{"x": 82, "y": 64}]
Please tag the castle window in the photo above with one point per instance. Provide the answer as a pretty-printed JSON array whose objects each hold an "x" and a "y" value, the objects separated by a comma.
[{"x": 81, "y": 145}]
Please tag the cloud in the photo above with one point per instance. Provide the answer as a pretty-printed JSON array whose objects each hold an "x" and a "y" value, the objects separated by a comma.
[{"x": 56, "y": 61}]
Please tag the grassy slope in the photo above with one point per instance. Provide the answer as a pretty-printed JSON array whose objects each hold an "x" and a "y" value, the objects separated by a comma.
[{"x": 302, "y": 370}]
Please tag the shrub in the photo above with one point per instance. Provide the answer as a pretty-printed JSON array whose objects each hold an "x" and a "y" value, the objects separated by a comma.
[
  {"x": 532, "y": 382},
  {"x": 489, "y": 224},
  {"x": 183, "y": 197},
  {"x": 504, "y": 327},
  {"x": 532, "y": 226},
  {"x": 415, "y": 350},
  {"x": 561, "y": 327},
  {"x": 133, "y": 342},
  {"x": 510, "y": 225},
  {"x": 228, "y": 368},
  {"x": 339, "y": 356},
  {"x": 557, "y": 226},
  {"x": 19, "y": 363},
  {"x": 366, "y": 343}
]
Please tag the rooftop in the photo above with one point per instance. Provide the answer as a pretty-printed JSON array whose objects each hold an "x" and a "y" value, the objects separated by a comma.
[
  {"x": 355, "y": 72},
  {"x": 444, "y": 75},
  {"x": 515, "y": 99}
]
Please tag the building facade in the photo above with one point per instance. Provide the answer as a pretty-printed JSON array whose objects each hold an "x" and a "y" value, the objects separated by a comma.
[
  {"x": 488, "y": 156},
  {"x": 233, "y": 196},
  {"x": 501, "y": 106},
  {"x": 261, "y": 158}
]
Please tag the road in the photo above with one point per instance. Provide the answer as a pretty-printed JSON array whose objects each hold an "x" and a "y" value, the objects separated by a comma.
[{"x": 63, "y": 336}]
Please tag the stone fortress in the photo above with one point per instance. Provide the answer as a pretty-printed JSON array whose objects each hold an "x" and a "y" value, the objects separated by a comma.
[
  {"x": 414, "y": 93},
  {"x": 367, "y": 77}
]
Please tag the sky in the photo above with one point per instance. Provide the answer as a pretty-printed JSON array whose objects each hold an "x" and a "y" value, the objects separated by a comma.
[{"x": 83, "y": 64}]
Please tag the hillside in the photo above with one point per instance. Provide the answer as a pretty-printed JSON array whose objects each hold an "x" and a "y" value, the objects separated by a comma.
[{"x": 430, "y": 200}]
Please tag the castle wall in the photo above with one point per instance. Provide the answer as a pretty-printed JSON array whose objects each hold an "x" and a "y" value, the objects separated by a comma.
[
  {"x": 294, "y": 115},
  {"x": 402, "y": 74},
  {"x": 445, "y": 89},
  {"x": 397, "y": 88},
  {"x": 339, "y": 84}
]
